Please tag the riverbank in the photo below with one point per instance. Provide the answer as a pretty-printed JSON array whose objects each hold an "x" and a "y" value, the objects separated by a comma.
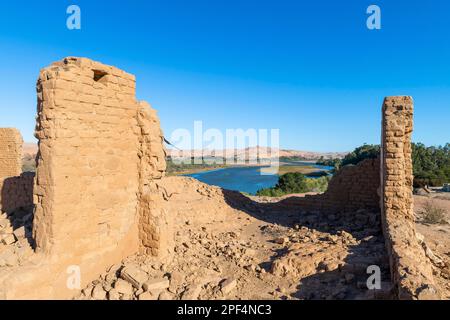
[{"x": 283, "y": 169}]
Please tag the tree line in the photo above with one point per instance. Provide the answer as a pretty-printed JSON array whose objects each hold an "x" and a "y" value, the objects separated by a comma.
[{"x": 431, "y": 165}]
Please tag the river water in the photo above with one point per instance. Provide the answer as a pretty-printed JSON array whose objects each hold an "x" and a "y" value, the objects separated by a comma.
[{"x": 244, "y": 179}]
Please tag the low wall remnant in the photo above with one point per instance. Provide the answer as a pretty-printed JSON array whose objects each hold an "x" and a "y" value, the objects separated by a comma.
[{"x": 352, "y": 188}]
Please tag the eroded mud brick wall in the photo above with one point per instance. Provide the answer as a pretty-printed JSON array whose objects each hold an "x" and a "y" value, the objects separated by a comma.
[
  {"x": 10, "y": 152},
  {"x": 353, "y": 187},
  {"x": 155, "y": 229},
  {"x": 93, "y": 137},
  {"x": 16, "y": 189},
  {"x": 16, "y": 192},
  {"x": 411, "y": 270}
]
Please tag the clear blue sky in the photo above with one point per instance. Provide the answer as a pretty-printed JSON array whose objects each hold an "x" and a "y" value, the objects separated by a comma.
[{"x": 310, "y": 68}]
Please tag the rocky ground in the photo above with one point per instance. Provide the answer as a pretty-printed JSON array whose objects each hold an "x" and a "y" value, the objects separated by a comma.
[
  {"x": 244, "y": 249},
  {"x": 228, "y": 246},
  {"x": 437, "y": 238},
  {"x": 15, "y": 237}
]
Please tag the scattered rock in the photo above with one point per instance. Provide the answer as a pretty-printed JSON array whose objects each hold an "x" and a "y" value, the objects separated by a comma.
[
  {"x": 192, "y": 292},
  {"x": 20, "y": 232},
  {"x": 165, "y": 296},
  {"x": 113, "y": 294},
  {"x": 123, "y": 287},
  {"x": 134, "y": 275},
  {"x": 228, "y": 285},
  {"x": 156, "y": 284},
  {"x": 98, "y": 293},
  {"x": 282, "y": 240},
  {"x": 8, "y": 239},
  {"x": 147, "y": 296}
]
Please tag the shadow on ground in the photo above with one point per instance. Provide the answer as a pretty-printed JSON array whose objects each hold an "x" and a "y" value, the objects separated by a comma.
[
  {"x": 348, "y": 280},
  {"x": 16, "y": 192}
]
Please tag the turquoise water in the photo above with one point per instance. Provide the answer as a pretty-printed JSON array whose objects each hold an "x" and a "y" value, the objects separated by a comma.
[{"x": 244, "y": 179}]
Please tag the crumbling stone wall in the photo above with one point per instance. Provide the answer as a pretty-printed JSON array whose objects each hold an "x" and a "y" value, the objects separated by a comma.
[
  {"x": 10, "y": 152},
  {"x": 88, "y": 168},
  {"x": 16, "y": 192},
  {"x": 411, "y": 269},
  {"x": 16, "y": 189},
  {"x": 352, "y": 188},
  {"x": 155, "y": 229},
  {"x": 99, "y": 195},
  {"x": 99, "y": 150}
]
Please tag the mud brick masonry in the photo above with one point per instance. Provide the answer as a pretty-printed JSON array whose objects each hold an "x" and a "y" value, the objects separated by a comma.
[
  {"x": 97, "y": 196},
  {"x": 351, "y": 188},
  {"x": 99, "y": 149},
  {"x": 10, "y": 152},
  {"x": 16, "y": 189},
  {"x": 411, "y": 269},
  {"x": 95, "y": 152}
]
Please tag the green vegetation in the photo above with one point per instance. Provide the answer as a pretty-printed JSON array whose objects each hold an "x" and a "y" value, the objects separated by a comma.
[
  {"x": 335, "y": 163},
  {"x": 295, "y": 182},
  {"x": 431, "y": 165},
  {"x": 310, "y": 171},
  {"x": 29, "y": 163},
  {"x": 187, "y": 168},
  {"x": 366, "y": 151},
  {"x": 292, "y": 158}
]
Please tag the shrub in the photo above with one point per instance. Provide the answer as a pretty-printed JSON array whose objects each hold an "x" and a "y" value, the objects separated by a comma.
[
  {"x": 295, "y": 182},
  {"x": 433, "y": 214},
  {"x": 367, "y": 151}
]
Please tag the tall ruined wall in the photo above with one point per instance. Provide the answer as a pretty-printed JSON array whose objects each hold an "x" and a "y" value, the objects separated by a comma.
[
  {"x": 10, "y": 152},
  {"x": 155, "y": 230},
  {"x": 87, "y": 173},
  {"x": 411, "y": 270},
  {"x": 16, "y": 189},
  {"x": 353, "y": 187},
  {"x": 98, "y": 150}
]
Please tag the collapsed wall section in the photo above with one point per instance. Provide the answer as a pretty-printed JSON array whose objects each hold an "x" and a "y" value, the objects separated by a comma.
[
  {"x": 10, "y": 152},
  {"x": 16, "y": 192},
  {"x": 155, "y": 230},
  {"x": 16, "y": 189},
  {"x": 411, "y": 270},
  {"x": 352, "y": 188}
]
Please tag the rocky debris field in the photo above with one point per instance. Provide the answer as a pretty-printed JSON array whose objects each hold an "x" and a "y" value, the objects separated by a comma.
[
  {"x": 252, "y": 250},
  {"x": 435, "y": 239},
  {"x": 229, "y": 246},
  {"x": 15, "y": 237}
]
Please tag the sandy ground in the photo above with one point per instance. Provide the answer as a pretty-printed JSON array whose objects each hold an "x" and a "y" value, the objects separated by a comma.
[{"x": 437, "y": 236}]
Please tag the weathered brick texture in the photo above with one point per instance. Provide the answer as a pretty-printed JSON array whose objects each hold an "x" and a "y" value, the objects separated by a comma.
[
  {"x": 411, "y": 269},
  {"x": 88, "y": 168},
  {"x": 99, "y": 151},
  {"x": 97, "y": 145},
  {"x": 353, "y": 187},
  {"x": 16, "y": 192},
  {"x": 16, "y": 189},
  {"x": 99, "y": 195},
  {"x": 155, "y": 231},
  {"x": 10, "y": 152}
]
